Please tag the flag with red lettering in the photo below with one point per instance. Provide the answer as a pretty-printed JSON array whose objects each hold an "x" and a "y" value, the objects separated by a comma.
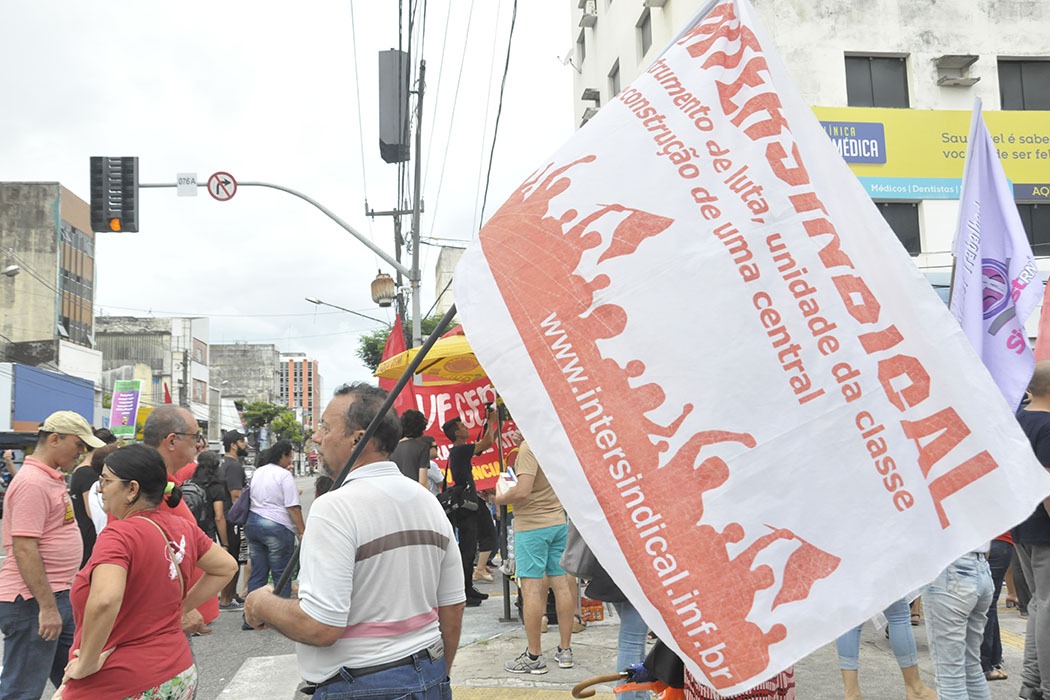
[
  {"x": 754, "y": 407},
  {"x": 996, "y": 285},
  {"x": 441, "y": 402}
]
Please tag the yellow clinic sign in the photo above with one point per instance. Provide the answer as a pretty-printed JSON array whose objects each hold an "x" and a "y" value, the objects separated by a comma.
[{"x": 917, "y": 154}]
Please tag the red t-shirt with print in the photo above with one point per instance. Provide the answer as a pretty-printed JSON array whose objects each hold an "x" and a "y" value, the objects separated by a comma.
[{"x": 150, "y": 647}]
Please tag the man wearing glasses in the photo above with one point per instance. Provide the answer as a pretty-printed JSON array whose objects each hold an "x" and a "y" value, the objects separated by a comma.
[
  {"x": 173, "y": 431},
  {"x": 42, "y": 539}
]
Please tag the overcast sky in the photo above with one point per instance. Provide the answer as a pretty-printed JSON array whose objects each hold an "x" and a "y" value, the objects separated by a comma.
[{"x": 281, "y": 93}]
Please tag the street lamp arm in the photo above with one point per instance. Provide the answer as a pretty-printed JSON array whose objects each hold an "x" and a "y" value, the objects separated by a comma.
[{"x": 347, "y": 227}]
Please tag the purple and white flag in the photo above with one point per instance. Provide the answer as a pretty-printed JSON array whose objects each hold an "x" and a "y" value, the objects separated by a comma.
[{"x": 996, "y": 284}]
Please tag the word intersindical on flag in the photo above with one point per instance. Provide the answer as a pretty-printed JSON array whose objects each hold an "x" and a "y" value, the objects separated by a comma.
[{"x": 759, "y": 415}]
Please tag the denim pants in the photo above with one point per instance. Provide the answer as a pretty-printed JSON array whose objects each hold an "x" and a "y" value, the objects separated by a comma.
[
  {"x": 29, "y": 661},
  {"x": 1035, "y": 563},
  {"x": 422, "y": 679},
  {"x": 902, "y": 639},
  {"x": 956, "y": 606},
  {"x": 631, "y": 644},
  {"x": 270, "y": 547},
  {"x": 992, "y": 645}
]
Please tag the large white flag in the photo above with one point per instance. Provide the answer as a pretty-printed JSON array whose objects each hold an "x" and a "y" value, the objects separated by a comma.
[
  {"x": 996, "y": 284},
  {"x": 757, "y": 411}
]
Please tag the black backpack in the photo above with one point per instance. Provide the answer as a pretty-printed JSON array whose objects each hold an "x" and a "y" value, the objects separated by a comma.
[{"x": 196, "y": 500}]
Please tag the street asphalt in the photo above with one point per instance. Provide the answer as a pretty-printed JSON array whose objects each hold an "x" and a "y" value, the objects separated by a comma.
[
  {"x": 260, "y": 664},
  {"x": 487, "y": 642}
]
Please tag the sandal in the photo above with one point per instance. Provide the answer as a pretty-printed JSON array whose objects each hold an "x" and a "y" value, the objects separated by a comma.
[
  {"x": 996, "y": 674},
  {"x": 916, "y": 618}
]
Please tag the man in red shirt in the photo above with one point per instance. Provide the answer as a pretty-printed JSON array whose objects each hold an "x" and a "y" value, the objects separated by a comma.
[
  {"x": 41, "y": 535},
  {"x": 173, "y": 431}
]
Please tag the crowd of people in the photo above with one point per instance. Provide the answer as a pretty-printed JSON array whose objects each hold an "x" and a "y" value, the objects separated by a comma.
[{"x": 107, "y": 577}]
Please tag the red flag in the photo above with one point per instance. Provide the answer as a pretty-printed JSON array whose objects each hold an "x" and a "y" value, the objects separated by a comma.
[
  {"x": 1042, "y": 339},
  {"x": 167, "y": 394},
  {"x": 395, "y": 345}
]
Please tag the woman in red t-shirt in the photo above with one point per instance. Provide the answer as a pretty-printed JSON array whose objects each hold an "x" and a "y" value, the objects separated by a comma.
[{"x": 129, "y": 598}]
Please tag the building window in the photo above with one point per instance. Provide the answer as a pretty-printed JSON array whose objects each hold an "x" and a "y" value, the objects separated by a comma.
[
  {"x": 903, "y": 218},
  {"x": 581, "y": 49},
  {"x": 645, "y": 31},
  {"x": 876, "y": 81},
  {"x": 1024, "y": 84},
  {"x": 614, "y": 79},
  {"x": 1036, "y": 220},
  {"x": 200, "y": 391}
]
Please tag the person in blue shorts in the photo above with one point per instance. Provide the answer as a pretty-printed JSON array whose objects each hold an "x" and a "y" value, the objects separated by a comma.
[{"x": 539, "y": 540}]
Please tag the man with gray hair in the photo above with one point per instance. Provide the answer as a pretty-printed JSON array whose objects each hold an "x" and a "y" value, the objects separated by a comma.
[
  {"x": 364, "y": 628},
  {"x": 173, "y": 431}
]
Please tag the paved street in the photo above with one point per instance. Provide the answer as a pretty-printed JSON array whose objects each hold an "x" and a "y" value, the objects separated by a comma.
[
  {"x": 256, "y": 665},
  {"x": 249, "y": 665}
]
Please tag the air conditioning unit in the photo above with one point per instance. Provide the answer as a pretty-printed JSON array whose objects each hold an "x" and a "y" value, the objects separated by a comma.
[
  {"x": 590, "y": 14},
  {"x": 953, "y": 70}
]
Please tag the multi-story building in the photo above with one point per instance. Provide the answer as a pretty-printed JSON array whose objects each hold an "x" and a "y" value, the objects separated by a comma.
[
  {"x": 174, "y": 348},
  {"x": 893, "y": 82},
  {"x": 246, "y": 371},
  {"x": 300, "y": 387},
  {"x": 47, "y": 252}
]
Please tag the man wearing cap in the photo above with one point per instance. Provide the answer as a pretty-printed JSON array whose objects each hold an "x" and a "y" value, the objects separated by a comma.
[
  {"x": 231, "y": 472},
  {"x": 41, "y": 537}
]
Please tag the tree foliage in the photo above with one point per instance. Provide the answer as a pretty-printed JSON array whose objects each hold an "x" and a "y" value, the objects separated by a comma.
[
  {"x": 370, "y": 345},
  {"x": 285, "y": 427},
  {"x": 259, "y": 414},
  {"x": 279, "y": 419}
]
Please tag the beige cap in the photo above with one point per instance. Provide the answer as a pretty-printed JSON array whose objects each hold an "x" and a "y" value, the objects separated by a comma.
[{"x": 71, "y": 423}]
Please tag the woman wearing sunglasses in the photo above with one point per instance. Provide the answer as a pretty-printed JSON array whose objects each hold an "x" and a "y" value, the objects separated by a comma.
[{"x": 129, "y": 599}]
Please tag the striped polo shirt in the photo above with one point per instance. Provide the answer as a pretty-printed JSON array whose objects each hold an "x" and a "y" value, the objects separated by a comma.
[{"x": 379, "y": 557}]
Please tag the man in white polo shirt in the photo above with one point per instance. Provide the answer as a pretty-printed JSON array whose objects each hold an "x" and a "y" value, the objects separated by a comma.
[
  {"x": 43, "y": 542},
  {"x": 381, "y": 582}
]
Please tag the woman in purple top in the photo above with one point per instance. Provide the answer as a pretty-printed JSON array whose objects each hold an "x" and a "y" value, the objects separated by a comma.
[{"x": 275, "y": 516}]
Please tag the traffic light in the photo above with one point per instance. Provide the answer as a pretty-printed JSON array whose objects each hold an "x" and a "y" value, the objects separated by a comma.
[{"x": 114, "y": 194}]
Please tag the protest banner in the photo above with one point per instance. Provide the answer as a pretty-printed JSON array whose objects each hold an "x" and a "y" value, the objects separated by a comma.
[
  {"x": 441, "y": 402},
  {"x": 995, "y": 285},
  {"x": 754, "y": 407},
  {"x": 124, "y": 408}
]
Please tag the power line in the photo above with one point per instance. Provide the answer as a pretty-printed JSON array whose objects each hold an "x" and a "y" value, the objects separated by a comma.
[
  {"x": 499, "y": 111},
  {"x": 485, "y": 121}
]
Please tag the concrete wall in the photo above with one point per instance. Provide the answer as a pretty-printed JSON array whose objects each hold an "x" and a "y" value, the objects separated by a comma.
[
  {"x": 29, "y": 228},
  {"x": 246, "y": 371},
  {"x": 813, "y": 36}
]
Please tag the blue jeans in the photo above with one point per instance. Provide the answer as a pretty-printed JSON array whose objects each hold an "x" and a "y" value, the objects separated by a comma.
[
  {"x": 956, "y": 606},
  {"x": 992, "y": 645},
  {"x": 1035, "y": 675},
  {"x": 29, "y": 661},
  {"x": 422, "y": 679},
  {"x": 631, "y": 644},
  {"x": 902, "y": 639},
  {"x": 270, "y": 547}
]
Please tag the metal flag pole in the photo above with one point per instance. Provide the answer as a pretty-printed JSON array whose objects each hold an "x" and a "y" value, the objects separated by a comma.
[{"x": 406, "y": 377}]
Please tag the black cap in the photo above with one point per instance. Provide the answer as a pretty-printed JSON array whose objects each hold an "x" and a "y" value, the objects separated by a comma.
[{"x": 231, "y": 437}]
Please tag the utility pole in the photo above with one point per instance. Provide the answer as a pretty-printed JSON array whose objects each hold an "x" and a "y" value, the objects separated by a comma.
[
  {"x": 417, "y": 329},
  {"x": 414, "y": 275}
]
